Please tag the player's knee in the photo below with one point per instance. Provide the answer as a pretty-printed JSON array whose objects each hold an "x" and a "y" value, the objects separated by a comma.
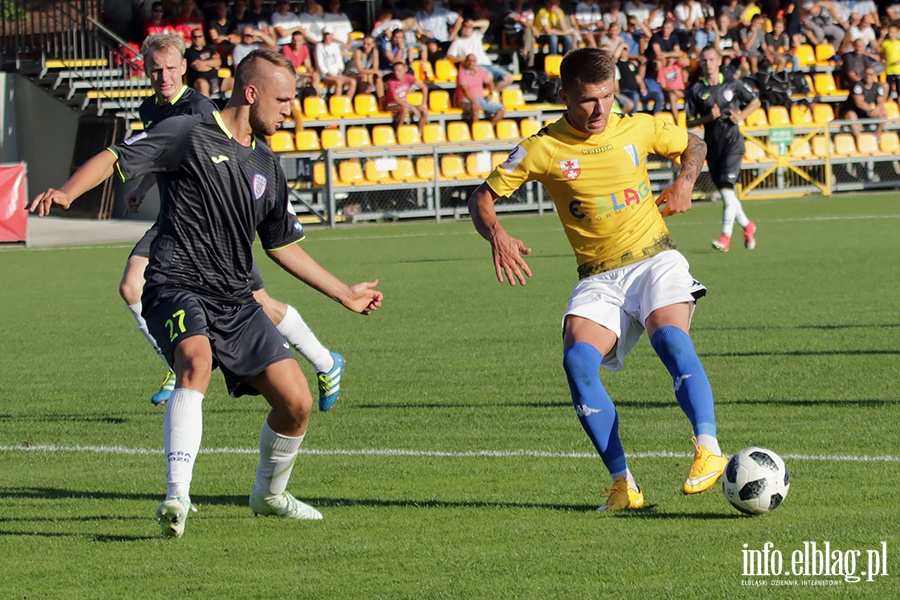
[{"x": 581, "y": 362}]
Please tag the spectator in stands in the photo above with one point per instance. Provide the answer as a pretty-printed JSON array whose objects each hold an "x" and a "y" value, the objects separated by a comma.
[
  {"x": 330, "y": 63},
  {"x": 339, "y": 23},
  {"x": 587, "y": 23},
  {"x": 752, "y": 41},
  {"x": 861, "y": 27},
  {"x": 552, "y": 28},
  {"x": 222, "y": 30},
  {"x": 633, "y": 86},
  {"x": 640, "y": 11},
  {"x": 439, "y": 27},
  {"x": 614, "y": 14},
  {"x": 636, "y": 35},
  {"x": 688, "y": 15},
  {"x": 728, "y": 45},
  {"x": 188, "y": 19},
  {"x": 704, "y": 36},
  {"x": 867, "y": 8},
  {"x": 367, "y": 66},
  {"x": 203, "y": 62},
  {"x": 313, "y": 22},
  {"x": 890, "y": 54},
  {"x": 866, "y": 101},
  {"x": 733, "y": 10},
  {"x": 855, "y": 63},
  {"x": 616, "y": 44},
  {"x": 284, "y": 23},
  {"x": 257, "y": 16},
  {"x": 778, "y": 47},
  {"x": 251, "y": 39},
  {"x": 518, "y": 26},
  {"x": 396, "y": 50},
  {"x": 473, "y": 87},
  {"x": 118, "y": 17},
  {"x": 670, "y": 60},
  {"x": 298, "y": 53},
  {"x": 469, "y": 42},
  {"x": 819, "y": 24},
  {"x": 792, "y": 15},
  {"x": 396, "y": 87},
  {"x": 157, "y": 23}
]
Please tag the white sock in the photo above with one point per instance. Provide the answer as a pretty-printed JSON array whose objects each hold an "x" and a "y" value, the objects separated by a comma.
[
  {"x": 711, "y": 443},
  {"x": 733, "y": 211},
  {"x": 300, "y": 336},
  {"x": 276, "y": 460},
  {"x": 627, "y": 476},
  {"x": 182, "y": 430},
  {"x": 142, "y": 327}
]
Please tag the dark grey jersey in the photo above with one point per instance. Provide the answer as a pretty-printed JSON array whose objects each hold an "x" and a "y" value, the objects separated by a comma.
[
  {"x": 188, "y": 102},
  {"x": 217, "y": 195},
  {"x": 730, "y": 95}
]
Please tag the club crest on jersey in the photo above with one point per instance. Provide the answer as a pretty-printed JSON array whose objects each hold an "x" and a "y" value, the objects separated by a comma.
[
  {"x": 728, "y": 95},
  {"x": 570, "y": 168},
  {"x": 633, "y": 155},
  {"x": 259, "y": 186}
]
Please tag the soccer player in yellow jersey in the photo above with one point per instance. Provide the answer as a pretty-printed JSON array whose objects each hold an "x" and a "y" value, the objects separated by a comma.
[{"x": 631, "y": 277}]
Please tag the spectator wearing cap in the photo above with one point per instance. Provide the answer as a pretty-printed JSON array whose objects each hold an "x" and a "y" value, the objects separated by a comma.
[
  {"x": 473, "y": 87},
  {"x": 471, "y": 42},
  {"x": 330, "y": 63}
]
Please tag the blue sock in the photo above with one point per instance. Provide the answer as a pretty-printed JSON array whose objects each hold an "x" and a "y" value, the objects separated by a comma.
[
  {"x": 593, "y": 405},
  {"x": 692, "y": 389}
]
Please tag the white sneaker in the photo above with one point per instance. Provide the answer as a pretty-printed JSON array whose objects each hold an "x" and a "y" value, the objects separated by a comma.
[
  {"x": 283, "y": 505},
  {"x": 172, "y": 514}
]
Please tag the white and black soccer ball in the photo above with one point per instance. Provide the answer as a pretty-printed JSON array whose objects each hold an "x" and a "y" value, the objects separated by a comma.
[{"x": 756, "y": 481}]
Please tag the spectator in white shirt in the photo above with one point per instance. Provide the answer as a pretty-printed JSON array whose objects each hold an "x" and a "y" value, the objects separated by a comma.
[
  {"x": 284, "y": 23},
  {"x": 312, "y": 22},
  {"x": 439, "y": 27},
  {"x": 470, "y": 41},
  {"x": 330, "y": 63}
]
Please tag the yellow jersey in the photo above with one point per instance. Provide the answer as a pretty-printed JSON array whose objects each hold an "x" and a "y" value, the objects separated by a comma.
[
  {"x": 891, "y": 50},
  {"x": 600, "y": 186}
]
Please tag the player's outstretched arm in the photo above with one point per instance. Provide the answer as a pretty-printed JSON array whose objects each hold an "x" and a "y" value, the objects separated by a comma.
[
  {"x": 677, "y": 197},
  {"x": 361, "y": 297},
  {"x": 87, "y": 177},
  {"x": 507, "y": 250}
]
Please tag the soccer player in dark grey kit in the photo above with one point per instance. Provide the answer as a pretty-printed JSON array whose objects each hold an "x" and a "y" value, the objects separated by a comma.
[
  {"x": 720, "y": 104},
  {"x": 164, "y": 65},
  {"x": 219, "y": 189}
]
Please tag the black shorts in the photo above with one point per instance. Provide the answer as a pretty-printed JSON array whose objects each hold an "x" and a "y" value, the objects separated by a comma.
[
  {"x": 142, "y": 248},
  {"x": 244, "y": 341},
  {"x": 725, "y": 168}
]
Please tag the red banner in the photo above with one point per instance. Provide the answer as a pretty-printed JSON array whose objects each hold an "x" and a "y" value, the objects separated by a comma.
[{"x": 13, "y": 200}]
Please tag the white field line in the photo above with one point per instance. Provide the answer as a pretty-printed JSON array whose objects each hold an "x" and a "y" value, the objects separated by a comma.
[{"x": 428, "y": 453}]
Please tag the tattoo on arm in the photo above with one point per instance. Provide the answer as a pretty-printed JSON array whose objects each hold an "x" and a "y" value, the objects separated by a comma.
[{"x": 692, "y": 159}]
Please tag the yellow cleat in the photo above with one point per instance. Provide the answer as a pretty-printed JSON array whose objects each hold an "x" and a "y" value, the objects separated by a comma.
[
  {"x": 622, "y": 496},
  {"x": 705, "y": 471}
]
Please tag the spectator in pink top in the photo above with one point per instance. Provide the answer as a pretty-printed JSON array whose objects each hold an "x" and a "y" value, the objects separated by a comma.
[
  {"x": 397, "y": 85},
  {"x": 473, "y": 86}
]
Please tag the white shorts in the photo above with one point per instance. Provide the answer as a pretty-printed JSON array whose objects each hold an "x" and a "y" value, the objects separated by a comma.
[{"x": 621, "y": 299}]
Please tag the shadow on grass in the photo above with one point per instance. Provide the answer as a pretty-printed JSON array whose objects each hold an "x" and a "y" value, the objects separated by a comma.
[
  {"x": 65, "y": 418},
  {"x": 97, "y": 537},
  {"x": 868, "y": 403}
]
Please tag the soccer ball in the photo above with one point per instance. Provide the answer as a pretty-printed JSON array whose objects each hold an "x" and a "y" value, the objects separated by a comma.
[{"x": 756, "y": 481}]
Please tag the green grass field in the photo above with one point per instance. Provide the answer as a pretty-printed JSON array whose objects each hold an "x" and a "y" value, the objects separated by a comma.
[{"x": 454, "y": 465}]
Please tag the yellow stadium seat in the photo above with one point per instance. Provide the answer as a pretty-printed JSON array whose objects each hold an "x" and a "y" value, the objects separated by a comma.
[
  {"x": 801, "y": 115},
  {"x": 890, "y": 142},
  {"x": 422, "y": 70},
  {"x": 820, "y": 148},
  {"x": 282, "y": 141},
  {"x": 341, "y": 107},
  {"x": 551, "y": 64},
  {"x": 332, "y": 138},
  {"x": 754, "y": 153},
  {"x": 425, "y": 169},
  {"x": 845, "y": 145},
  {"x": 757, "y": 118},
  {"x": 405, "y": 170},
  {"x": 893, "y": 111},
  {"x": 319, "y": 174},
  {"x": 478, "y": 164},
  {"x": 315, "y": 107},
  {"x": 513, "y": 99},
  {"x": 307, "y": 140},
  {"x": 383, "y": 135},
  {"x": 444, "y": 71},
  {"x": 433, "y": 133},
  {"x": 415, "y": 97},
  {"x": 452, "y": 167},
  {"x": 409, "y": 134},
  {"x": 377, "y": 171},
  {"x": 482, "y": 131},
  {"x": 356, "y": 35},
  {"x": 824, "y": 54},
  {"x": 439, "y": 102},
  {"x": 806, "y": 55},
  {"x": 498, "y": 158},
  {"x": 366, "y": 105},
  {"x": 867, "y": 144},
  {"x": 350, "y": 172},
  {"x": 823, "y": 113},
  {"x": 507, "y": 129},
  {"x": 529, "y": 127},
  {"x": 779, "y": 116},
  {"x": 801, "y": 149},
  {"x": 224, "y": 72},
  {"x": 458, "y": 131},
  {"x": 825, "y": 85},
  {"x": 358, "y": 137}
]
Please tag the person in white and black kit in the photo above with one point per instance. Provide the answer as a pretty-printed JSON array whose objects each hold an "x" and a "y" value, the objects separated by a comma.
[
  {"x": 221, "y": 188},
  {"x": 721, "y": 104}
]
